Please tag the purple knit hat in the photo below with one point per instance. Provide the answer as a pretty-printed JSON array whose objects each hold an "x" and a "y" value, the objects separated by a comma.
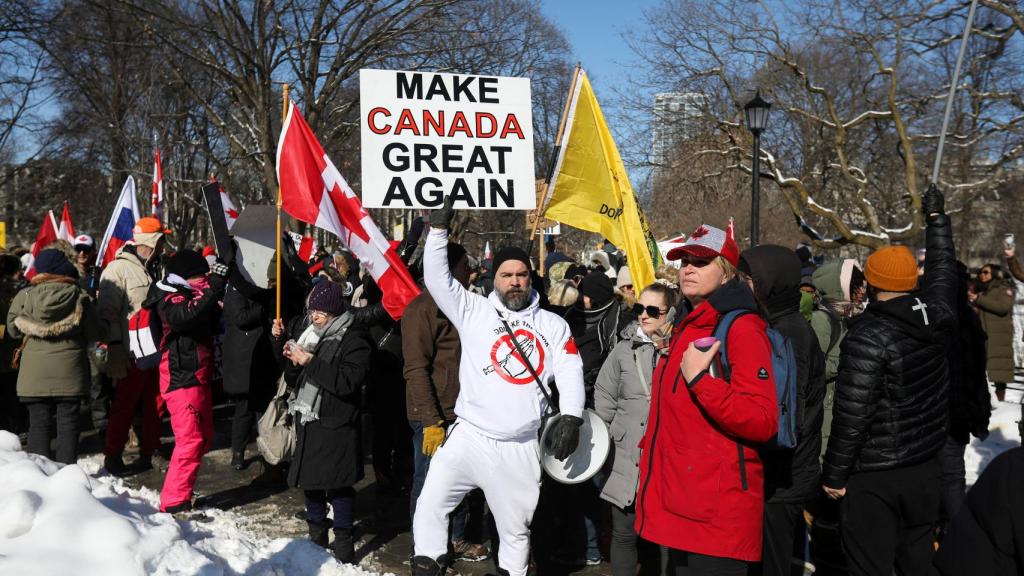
[{"x": 327, "y": 297}]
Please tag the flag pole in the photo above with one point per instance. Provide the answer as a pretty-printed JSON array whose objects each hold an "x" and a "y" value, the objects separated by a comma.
[
  {"x": 277, "y": 284},
  {"x": 952, "y": 92},
  {"x": 551, "y": 164}
]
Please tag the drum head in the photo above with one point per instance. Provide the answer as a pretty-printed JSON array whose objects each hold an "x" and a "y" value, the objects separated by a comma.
[{"x": 589, "y": 456}]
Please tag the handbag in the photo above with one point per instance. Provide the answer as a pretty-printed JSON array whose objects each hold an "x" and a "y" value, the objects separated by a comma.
[{"x": 277, "y": 436}]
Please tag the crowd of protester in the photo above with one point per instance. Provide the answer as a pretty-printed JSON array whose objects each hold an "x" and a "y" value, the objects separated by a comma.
[{"x": 892, "y": 362}]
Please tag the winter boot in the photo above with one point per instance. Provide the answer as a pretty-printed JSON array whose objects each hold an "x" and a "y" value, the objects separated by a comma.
[
  {"x": 344, "y": 546},
  {"x": 238, "y": 460},
  {"x": 182, "y": 508},
  {"x": 115, "y": 465},
  {"x": 424, "y": 566},
  {"x": 318, "y": 533}
]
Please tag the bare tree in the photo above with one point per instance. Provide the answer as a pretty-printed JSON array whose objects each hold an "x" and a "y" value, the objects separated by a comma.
[{"x": 858, "y": 88}]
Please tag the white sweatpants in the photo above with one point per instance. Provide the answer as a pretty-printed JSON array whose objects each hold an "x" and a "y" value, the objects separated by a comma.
[{"x": 508, "y": 472}]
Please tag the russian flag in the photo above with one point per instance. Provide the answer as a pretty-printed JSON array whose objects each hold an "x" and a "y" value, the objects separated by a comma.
[{"x": 119, "y": 229}]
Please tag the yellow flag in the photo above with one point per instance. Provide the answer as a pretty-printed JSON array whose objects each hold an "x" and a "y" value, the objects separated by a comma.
[{"x": 590, "y": 189}]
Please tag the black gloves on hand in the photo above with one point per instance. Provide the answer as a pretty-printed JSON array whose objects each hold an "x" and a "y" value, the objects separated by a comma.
[
  {"x": 564, "y": 436},
  {"x": 219, "y": 269},
  {"x": 933, "y": 202},
  {"x": 442, "y": 217}
]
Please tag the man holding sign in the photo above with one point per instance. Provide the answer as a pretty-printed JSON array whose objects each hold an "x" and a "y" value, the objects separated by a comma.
[{"x": 511, "y": 351}]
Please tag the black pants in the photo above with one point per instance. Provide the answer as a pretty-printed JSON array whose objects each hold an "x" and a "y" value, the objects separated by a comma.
[
  {"x": 42, "y": 411},
  {"x": 783, "y": 523},
  {"x": 101, "y": 392},
  {"x": 10, "y": 408},
  {"x": 954, "y": 479},
  {"x": 342, "y": 503},
  {"x": 889, "y": 519},
  {"x": 623, "y": 544},
  {"x": 241, "y": 424},
  {"x": 682, "y": 563}
]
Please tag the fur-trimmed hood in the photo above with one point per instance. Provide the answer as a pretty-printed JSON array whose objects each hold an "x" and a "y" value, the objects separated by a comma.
[{"x": 53, "y": 307}]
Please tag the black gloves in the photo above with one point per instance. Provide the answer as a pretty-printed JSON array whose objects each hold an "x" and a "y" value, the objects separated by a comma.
[
  {"x": 933, "y": 202},
  {"x": 442, "y": 217},
  {"x": 219, "y": 269},
  {"x": 564, "y": 436}
]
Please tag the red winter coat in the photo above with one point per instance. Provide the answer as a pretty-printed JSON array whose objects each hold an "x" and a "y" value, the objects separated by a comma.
[{"x": 691, "y": 494}]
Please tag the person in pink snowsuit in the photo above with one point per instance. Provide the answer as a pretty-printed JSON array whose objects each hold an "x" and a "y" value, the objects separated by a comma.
[{"x": 186, "y": 301}]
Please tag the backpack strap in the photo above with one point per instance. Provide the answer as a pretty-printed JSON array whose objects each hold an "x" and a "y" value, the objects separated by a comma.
[
  {"x": 835, "y": 328},
  {"x": 721, "y": 332}
]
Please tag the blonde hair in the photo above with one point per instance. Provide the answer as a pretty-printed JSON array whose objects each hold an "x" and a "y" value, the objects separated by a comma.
[
  {"x": 563, "y": 293},
  {"x": 727, "y": 268}
]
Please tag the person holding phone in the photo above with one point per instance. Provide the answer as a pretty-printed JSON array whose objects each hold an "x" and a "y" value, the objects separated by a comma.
[
  {"x": 331, "y": 354},
  {"x": 701, "y": 492}
]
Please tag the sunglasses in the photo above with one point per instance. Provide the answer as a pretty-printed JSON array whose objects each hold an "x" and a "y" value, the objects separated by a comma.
[
  {"x": 694, "y": 261},
  {"x": 652, "y": 311}
]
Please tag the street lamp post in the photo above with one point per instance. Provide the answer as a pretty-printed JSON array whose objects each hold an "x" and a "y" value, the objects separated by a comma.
[{"x": 756, "y": 115}]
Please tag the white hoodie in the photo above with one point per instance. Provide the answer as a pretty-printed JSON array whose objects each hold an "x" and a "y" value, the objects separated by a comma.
[{"x": 498, "y": 395}]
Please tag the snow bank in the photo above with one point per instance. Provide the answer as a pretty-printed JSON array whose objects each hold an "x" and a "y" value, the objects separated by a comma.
[
  {"x": 1003, "y": 435},
  {"x": 61, "y": 520}
]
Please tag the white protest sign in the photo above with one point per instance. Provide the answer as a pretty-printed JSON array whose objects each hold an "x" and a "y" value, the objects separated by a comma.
[{"x": 426, "y": 135}]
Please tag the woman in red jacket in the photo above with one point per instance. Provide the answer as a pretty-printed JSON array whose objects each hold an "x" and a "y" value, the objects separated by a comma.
[{"x": 701, "y": 491}]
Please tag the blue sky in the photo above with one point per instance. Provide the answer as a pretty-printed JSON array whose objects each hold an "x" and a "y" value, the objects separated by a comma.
[{"x": 595, "y": 29}]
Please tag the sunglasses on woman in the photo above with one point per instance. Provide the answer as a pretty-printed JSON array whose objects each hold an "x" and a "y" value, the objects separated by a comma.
[
  {"x": 694, "y": 261},
  {"x": 652, "y": 311}
]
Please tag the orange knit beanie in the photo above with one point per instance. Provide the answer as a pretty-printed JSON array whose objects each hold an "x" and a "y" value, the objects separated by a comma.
[{"x": 892, "y": 269}]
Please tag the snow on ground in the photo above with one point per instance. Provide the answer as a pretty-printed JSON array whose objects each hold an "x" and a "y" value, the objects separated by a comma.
[
  {"x": 61, "y": 520},
  {"x": 1003, "y": 434}
]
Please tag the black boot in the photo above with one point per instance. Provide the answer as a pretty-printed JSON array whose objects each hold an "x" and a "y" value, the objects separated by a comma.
[
  {"x": 318, "y": 533},
  {"x": 344, "y": 546},
  {"x": 424, "y": 566},
  {"x": 115, "y": 466},
  {"x": 238, "y": 460}
]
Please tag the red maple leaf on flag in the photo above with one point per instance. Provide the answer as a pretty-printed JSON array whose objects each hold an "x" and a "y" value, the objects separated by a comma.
[
  {"x": 232, "y": 213},
  {"x": 700, "y": 232}
]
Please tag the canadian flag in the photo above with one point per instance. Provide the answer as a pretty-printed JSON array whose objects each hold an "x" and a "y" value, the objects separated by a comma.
[
  {"x": 66, "y": 231},
  {"x": 158, "y": 187},
  {"x": 230, "y": 212},
  {"x": 313, "y": 191},
  {"x": 304, "y": 245},
  {"x": 46, "y": 236}
]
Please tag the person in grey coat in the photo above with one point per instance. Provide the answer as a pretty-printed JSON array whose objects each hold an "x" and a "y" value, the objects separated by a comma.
[{"x": 622, "y": 398}]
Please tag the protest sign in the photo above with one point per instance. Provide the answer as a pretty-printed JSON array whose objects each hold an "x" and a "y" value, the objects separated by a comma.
[{"x": 427, "y": 135}]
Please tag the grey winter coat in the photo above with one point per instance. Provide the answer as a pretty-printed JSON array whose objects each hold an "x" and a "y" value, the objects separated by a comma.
[{"x": 623, "y": 402}]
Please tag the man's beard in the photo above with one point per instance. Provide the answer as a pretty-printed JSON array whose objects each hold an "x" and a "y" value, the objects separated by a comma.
[{"x": 515, "y": 301}]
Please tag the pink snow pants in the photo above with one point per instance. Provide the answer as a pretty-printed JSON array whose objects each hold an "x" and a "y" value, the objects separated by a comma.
[{"x": 191, "y": 412}]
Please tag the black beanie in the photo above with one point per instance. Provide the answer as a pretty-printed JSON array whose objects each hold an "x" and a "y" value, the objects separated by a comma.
[
  {"x": 55, "y": 262},
  {"x": 187, "y": 264},
  {"x": 598, "y": 286},
  {"x": 510, "y": 253}
]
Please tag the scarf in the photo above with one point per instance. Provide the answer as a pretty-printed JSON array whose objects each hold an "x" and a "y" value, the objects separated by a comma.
[{"x": 307, "y": 400}]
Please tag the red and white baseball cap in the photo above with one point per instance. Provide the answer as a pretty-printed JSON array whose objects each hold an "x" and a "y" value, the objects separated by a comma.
[
  {"x": 708, "y": 242},
  {"x": 85, "y": 240}
]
